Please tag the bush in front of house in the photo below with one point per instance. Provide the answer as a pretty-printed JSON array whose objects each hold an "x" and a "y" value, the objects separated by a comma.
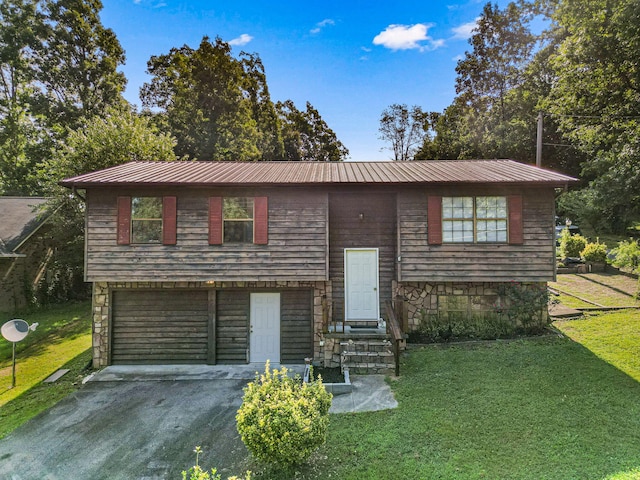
[
  {"x": 283, "y": 420},
  {"x": 571, "y": 245},
  {"x": 594, "y": 252}
]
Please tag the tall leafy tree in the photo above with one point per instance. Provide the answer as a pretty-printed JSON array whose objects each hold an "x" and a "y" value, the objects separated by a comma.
[
  {"x": 117, "y": 136},
  {"x": 307, "y": 137},
  {"x": 405, "y": 129},
  {"x": 18, "y": 21},
  {"x": 201, "y": 94},
  {"x": 264, "y": 112},
  {"x": 493, "y": 114},
  {"x": 58, "y": 67},
  {"x": 76, "y": 63},
  {"x": 596, "y": 102}
]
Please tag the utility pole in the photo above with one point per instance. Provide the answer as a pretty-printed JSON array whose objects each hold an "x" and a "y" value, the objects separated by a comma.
[{"x": 539, "y": 142}]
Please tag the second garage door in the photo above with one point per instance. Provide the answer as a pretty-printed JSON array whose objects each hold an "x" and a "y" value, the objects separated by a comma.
[{"x": 159, "y": 327}]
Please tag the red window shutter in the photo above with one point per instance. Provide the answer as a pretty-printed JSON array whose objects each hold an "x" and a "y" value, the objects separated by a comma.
[
  {"x": 124, "y": 221},
  {"x": 434, "y": 220},
  {"x": 260, "y": 221},
  {"x": 215, "y": 221},
  {"x": 169, "y": 220},
  {"x": 514, "y": 203}
]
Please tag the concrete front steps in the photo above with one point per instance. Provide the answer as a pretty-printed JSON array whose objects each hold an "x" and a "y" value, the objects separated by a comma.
[{"x": 370, "y": 355}]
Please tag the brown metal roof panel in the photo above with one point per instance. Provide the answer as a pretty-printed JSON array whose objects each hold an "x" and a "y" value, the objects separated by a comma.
[{"x": 304, "y": 173}]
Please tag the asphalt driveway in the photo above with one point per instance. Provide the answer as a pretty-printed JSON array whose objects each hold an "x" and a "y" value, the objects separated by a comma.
[
  {"x": 129, "y": 430},
  {"x": 144, "y": 422}
]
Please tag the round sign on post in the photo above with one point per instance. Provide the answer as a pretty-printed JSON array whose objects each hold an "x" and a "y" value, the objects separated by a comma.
[{"x": 15, "y": 331}]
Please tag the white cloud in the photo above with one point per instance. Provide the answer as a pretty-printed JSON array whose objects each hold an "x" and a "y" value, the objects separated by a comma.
[
  {"x": 320, "y": 25},
  {"x": 407, "y": 37},
  {"x": 241, "y": 40},
  {"x": 465, "y": 30}
]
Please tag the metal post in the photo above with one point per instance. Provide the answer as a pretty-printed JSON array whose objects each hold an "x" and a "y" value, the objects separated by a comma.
[
  {"x": 539, "y": 141},
  {"x": 13, "y": 369}
]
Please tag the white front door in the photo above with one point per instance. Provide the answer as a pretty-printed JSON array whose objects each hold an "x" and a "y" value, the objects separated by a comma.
[
  {"x": 361, "y": 284},
  {"x": 264, "y": 336}
]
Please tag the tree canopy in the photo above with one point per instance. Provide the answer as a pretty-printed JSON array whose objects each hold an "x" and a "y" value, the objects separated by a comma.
[
  {"x": 581, "y": 73},
  {"x": 218, "y": 107}
]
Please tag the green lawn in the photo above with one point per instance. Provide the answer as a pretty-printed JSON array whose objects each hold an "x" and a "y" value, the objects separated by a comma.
[
  {"x": 62, "y": 340},
  {"x": 542, "y": 408}
]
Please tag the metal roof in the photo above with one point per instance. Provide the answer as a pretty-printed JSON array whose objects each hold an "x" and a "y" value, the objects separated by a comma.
[{"x": 189, "y": 173}]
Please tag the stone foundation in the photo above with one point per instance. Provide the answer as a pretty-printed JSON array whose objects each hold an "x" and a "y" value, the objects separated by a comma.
[
  {"x": 455, "y": 298},
  {"x": 102, "y": 307}
]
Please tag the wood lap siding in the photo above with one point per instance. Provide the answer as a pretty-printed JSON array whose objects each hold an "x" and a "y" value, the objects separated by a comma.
[
  {"x": 296, "y": 249},
  {"x": 159, "y": 327},
  {"x": 376, "y": 230},
  {"x": 296, "y": 335},
  {"x": 232, "y": 326},
  {"x": 532, "y": 261}
]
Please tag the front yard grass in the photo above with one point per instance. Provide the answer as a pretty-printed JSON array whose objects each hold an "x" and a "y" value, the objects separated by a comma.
[
  {"x": 62, "y": 340},
  {"x": 544, "y": 408}
]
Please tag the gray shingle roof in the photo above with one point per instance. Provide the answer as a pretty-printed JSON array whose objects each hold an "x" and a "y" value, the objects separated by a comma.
[{"x": 19, "y": 218}]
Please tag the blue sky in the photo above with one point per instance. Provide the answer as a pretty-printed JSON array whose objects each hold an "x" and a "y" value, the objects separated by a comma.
[{"x": 350, "y": 59}]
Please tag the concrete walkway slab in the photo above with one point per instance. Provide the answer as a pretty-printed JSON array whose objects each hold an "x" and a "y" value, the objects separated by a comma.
[{"x": 369, "y": 393}]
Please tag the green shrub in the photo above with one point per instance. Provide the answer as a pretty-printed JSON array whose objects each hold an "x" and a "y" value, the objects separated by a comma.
[
  {"x": 594, "y": 252},
  {"x": 283, "y": 420},
  {"x": 627, "y": 255},
  {"x": 571, "y": 245}
]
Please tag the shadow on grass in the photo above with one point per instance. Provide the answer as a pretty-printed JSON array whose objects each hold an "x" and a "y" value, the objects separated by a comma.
[
  {"x": 55, "y": 323},
  {"x": 43, "y": 396},
  {"x": 535, "y": 408}
]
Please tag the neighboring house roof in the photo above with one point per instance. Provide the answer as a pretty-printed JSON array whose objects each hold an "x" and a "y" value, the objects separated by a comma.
[
  {"x": 20, "y": 218},
  {"x": 319, "y": 173}
]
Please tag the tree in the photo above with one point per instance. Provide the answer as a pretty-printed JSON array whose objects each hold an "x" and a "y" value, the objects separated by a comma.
[
  {"x": 264, "y": 112},
  {"x": 118, "y": 136},
  {"x": 59, "y": 67},
  {"x": 76, "y": 63},
  {"x": 307, "y": 136},
  {"x": 201, "y": 95},
  {"x": 17, "y": 132},
  {"x": 405, "y": 129},
  {"x": 596, "y": 102}
]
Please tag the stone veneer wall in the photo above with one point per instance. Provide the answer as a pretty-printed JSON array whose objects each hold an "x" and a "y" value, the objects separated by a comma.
[
  {"x": 102, "y": 314},
  {"x": 468, "y": 298}
]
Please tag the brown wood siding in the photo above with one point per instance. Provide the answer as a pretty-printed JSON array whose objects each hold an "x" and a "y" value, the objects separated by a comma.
[
  {"x": 159, "y": 326},
  {"x": 377, "y": 229},
  {"x": 296, "y": 250},
  {"x": 232, "y": 326},
  {"x": 296, "y": 317},
  {"x": 532, "y": 261}
]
